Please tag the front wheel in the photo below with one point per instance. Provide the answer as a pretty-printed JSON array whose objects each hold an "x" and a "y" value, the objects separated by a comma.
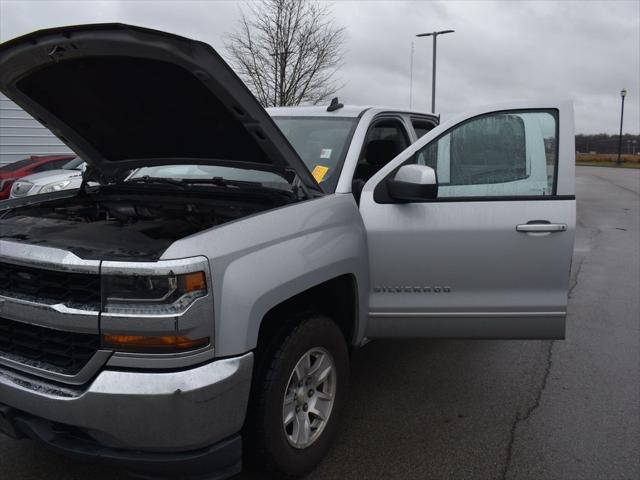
[{"x": 298, "y": 399}]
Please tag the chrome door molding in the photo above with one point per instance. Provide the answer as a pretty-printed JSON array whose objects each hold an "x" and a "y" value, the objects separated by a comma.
[{"x": 465, "y": 314}]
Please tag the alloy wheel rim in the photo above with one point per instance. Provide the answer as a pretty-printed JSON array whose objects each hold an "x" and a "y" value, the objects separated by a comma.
[{"x": 309, "y": 398}]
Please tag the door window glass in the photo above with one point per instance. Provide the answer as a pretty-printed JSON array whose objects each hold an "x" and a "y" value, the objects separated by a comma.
[{"x": 501, "y": 154}]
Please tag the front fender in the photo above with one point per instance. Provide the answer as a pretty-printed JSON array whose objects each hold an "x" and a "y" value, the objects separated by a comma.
[{"x": 261, "y": 261}]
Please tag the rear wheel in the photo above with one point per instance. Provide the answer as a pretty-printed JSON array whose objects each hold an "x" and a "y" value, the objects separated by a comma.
[{"x": 298, "y": 398}]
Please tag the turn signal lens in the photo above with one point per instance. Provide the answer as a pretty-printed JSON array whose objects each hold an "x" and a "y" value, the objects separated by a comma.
[
  {"x": 194, "y": 282},
  {"x": 170, "y": 343}
]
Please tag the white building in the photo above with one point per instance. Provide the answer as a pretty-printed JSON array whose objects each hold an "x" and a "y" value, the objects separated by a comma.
[{"x": 22, "y": 135}]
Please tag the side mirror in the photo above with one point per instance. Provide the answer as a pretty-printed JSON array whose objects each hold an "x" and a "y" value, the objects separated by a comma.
[{"x": 414, "y": 183}]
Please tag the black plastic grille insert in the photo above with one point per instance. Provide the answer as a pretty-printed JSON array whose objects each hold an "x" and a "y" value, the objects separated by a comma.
[
  {"x": 80, "y": 290},
  {"x": 54, "y": 350}
]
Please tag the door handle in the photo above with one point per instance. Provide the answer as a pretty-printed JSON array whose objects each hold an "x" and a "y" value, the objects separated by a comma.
[{"x": 541, "y": 226}]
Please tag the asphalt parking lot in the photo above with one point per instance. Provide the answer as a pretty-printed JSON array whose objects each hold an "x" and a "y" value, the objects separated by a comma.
[{"x": 490, "y": 409}]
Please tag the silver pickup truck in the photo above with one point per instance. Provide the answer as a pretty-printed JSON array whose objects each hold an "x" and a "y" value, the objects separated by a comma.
[{"x": 206, "y": 305}]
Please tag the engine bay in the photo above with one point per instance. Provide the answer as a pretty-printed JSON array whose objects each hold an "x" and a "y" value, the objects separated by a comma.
[{"x": 138, "y": 226}]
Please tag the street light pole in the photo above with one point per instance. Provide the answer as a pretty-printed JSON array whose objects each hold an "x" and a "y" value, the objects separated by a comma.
[
  {"x": 411, "y": 79},
  {"x": 433, "y": 68},
  {"x": 623, "y": 93}
]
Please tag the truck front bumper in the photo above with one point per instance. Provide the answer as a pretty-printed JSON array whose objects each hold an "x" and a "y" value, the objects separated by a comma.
[{"x": 129, "y": 415}]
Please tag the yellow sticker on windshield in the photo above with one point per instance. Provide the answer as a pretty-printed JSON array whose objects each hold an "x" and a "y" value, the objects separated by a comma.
[{"x": 319, "y": 172}]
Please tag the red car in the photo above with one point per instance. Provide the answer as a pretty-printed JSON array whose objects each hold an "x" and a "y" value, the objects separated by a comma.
[{"x": 34, "y": 164}]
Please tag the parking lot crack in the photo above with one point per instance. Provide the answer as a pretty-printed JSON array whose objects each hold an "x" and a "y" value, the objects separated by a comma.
[
  {"x": 576, "y": 278},
  {"x": 524, "y": 416}
]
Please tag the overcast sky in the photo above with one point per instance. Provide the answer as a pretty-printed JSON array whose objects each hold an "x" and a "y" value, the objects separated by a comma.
[{"x": 504, "y": 50}]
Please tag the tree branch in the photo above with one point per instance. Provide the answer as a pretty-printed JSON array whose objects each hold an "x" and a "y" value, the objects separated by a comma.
[{"x": 287, "y": 51}]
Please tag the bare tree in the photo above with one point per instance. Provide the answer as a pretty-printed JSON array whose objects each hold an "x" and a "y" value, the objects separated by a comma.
[{"x": 287, "y": 51}]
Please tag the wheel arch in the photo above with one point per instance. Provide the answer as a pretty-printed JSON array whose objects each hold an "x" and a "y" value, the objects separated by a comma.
[{"x": 336, "y": 298}]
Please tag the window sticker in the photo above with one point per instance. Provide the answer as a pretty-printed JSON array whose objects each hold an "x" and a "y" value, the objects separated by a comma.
[
  {"x": 325, "y": 153},
  {"x": 319, "y": 172}
]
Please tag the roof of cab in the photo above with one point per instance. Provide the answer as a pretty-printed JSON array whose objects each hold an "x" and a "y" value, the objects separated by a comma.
[{"x": 352, "y": 111}]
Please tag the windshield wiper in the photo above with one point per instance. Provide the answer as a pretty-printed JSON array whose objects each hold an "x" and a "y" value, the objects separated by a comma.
[
  {"x": 185, "y": 183},
  {"x": 222, "y": 182},
  {"x": 147, "y": 179}
]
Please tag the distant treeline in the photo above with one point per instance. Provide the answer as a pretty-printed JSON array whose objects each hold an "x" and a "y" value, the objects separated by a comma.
[{"x": 604, "y": 143}]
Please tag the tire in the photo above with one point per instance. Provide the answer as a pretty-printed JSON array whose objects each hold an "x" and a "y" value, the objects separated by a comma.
[{"x": 280, "y": 450}]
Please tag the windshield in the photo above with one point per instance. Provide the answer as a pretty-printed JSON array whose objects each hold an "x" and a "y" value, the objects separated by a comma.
[
  {"x": 75, "y": 164},
  {"x": 203, "y": 172},
  {"x": 321, "y": 142}
]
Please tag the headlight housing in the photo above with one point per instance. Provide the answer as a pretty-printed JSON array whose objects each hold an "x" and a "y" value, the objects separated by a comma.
[
  {"x": 20, "y": 188},
  {"x": 151, "y": 294},
  {"x": 162, "y": 308},
  {"x": 55, "y": 186}
]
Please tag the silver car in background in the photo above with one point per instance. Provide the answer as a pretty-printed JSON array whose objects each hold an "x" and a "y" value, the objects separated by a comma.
[{"x": 66, "y": 178}]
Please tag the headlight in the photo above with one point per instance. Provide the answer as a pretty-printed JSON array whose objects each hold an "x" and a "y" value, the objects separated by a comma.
[
  {"x": 21, "y": 188},
  {"x": 151, "y": 295},
  {"x": 148, "y": 296},
  {"x": 55, "y": 186}
]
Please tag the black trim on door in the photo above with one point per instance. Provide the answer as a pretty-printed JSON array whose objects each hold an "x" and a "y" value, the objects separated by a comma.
[{"x": 513, "y": 198}]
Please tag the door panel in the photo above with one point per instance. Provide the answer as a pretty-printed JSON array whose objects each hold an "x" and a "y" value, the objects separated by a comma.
[{"x": 490, "y": 257}]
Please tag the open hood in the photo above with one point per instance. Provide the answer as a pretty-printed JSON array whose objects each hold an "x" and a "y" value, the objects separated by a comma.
[{"x": 123, "y": 97}]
